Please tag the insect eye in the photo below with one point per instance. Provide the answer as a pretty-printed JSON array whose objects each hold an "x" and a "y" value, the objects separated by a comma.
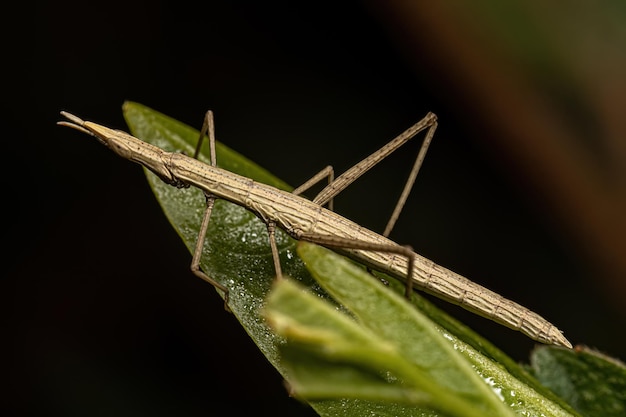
[{"x": 120, "y": 149}]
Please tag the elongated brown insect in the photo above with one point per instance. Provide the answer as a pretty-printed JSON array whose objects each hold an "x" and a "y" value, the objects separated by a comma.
[{"x": 309, "y": 220}]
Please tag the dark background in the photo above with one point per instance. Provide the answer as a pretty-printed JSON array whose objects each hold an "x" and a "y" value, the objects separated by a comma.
[{"x": 103, "y": 316}]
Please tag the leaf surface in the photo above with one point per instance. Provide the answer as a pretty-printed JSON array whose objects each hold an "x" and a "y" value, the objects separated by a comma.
[
  {"x": 461, "y": 367},
  {"x": 594, "y": 384}
]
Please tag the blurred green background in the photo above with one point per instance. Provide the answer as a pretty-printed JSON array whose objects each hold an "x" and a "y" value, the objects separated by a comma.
[{"x": 523, "y": 190}]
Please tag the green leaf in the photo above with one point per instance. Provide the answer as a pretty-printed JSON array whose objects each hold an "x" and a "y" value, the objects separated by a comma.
[
  {"x": 383, "y": 349},
  {"x": 594, "y": 384},
  {"x": 236, "y": 252},
  {"x": 331, "y": 357},
  {"x": 237, "y": 255}
]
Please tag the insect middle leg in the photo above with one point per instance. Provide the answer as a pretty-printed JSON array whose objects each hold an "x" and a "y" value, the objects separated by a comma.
[
  {"x": 197, "y": 253},
  {"x": 208, "y": 126},
  {"x": 329, "y": 173}
]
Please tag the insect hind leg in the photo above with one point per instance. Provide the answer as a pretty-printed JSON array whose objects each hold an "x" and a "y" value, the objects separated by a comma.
[
  {"x": 346, "y": 243},
  {"x": 429, "y": 122}
]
